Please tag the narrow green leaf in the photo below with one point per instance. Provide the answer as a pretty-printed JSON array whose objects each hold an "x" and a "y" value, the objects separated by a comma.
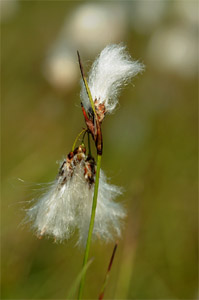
[{"x": 76, "y": 283}]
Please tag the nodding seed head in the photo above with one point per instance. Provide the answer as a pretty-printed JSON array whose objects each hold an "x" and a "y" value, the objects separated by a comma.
[{"x": 67, "y": 204}]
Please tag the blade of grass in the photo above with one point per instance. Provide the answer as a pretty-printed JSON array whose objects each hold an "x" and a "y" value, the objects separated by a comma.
[
  {"x": 74, "y": 287},
  {"x": 101, "y": 295}
]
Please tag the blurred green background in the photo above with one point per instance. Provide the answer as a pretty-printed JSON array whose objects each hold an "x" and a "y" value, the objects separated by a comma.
[{"x": 150, "y": 145}]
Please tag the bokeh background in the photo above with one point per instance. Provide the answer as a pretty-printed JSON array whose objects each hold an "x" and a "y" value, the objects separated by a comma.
[{"x": 150, "y": 144}]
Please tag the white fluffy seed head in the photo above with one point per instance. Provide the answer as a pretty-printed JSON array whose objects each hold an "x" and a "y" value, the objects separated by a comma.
[
  {"x": 67, "y": 205},
  {"x": 110, "y": 71},
  {"x": 109, "y": 214}
]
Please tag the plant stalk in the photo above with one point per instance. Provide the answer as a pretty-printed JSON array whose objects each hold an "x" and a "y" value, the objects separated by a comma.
[
  {"x": 92, "y": 220},
  {"x": 75, "y": 142}
]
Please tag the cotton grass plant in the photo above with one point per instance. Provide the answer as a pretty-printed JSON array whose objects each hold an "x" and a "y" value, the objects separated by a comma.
[{"x": 81, "y": 197}]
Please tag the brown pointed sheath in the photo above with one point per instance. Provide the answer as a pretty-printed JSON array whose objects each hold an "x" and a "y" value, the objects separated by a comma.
[
  {"x": 101, "y": 296},
  {"x": 94, "y": 126}
]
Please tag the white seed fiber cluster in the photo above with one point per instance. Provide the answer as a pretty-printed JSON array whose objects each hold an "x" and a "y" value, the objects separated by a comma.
[
  {"x": 110, "y": 71},
  {"x": 67, "y": 207}
]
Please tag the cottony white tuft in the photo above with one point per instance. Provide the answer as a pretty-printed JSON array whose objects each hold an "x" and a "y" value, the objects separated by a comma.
[
  {"x": 108, "y": 213},
  {"x": 67, "y": 205},
  {"x": 113, "y": 68}
]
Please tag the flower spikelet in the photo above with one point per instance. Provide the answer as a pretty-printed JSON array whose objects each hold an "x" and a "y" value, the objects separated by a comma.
[{"x": 110, "y": 71}]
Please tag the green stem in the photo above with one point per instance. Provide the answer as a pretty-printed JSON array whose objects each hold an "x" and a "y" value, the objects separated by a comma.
[
  {"x": 92, "y": 220},
  {"x": 75, "y": 142}
]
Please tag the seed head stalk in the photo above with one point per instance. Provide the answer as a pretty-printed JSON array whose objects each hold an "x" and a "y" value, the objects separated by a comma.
[
  {"x": 92, "y": 220},
  {"x": 78, "y": 136},
  {"x": 94, "y": 205}
]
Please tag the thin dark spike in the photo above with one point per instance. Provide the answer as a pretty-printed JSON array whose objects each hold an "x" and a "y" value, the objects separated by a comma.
[
  {"x": 101, "y": 296},
  {"x": 112, "y": 257},
  {"x": 82, "y": 72},
  {"x": 80, "y": 65}
]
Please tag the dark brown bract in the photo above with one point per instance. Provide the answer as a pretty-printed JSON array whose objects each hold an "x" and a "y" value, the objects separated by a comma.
[{"x": 75, "y": 158}]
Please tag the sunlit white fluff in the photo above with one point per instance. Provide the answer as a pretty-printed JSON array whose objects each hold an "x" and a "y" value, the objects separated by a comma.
[
  {"x": 67, "y": 207},
  {"x": 109, "y": 214},
  {"x": 112, "y": 69}
]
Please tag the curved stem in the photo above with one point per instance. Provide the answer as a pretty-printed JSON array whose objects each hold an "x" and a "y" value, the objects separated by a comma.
[
  {"x": 74, "y": 144},
  {"x": 92, "y": 220}
]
